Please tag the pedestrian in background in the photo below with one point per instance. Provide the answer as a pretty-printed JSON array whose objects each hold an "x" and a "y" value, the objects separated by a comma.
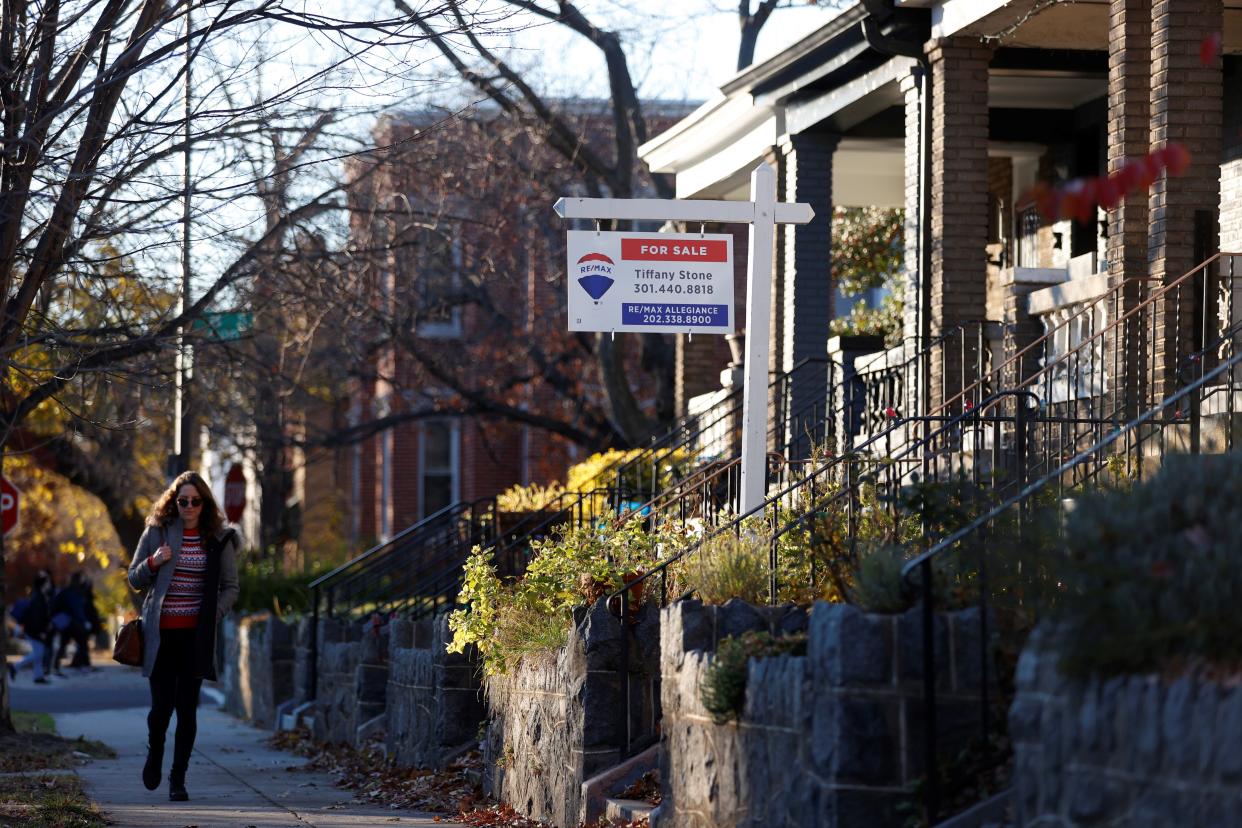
[
  {"x": 34, "y": 621},
  {"x": 70, "y": 602},
  {"x": 186, "y": 566},
  {"x": 95, "y": 625},
  {"x": 55, "y": 621}
]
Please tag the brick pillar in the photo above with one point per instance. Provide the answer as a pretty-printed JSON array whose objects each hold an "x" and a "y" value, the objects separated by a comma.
[
  {"x": 804, "y": 269},
  {"x": 1129, "y": 125},
  {"x": 959, "y": 208},
  {"x": 1185, "y": 107},
  {"x": 807, "y": 271}
]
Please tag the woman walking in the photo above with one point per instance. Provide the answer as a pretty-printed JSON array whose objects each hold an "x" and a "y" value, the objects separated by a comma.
[{"x": 186, "y": 566}]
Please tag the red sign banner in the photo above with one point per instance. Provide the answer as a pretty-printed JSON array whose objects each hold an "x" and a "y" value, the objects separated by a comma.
[{"x": 679, "y": 250}]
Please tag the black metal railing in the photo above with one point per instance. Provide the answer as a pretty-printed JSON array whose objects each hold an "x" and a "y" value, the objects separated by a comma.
[
  {"x": 383, "y": 576},
  {"x": 1212, "y": 391},
  {"x": 834, "y": 490}
]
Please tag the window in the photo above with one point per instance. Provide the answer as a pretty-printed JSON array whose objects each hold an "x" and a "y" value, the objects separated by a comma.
[
  {"x": 438, "y": 465},
  {"x": 1028, "y": 237},
  {"x": 437, "y": 280}
]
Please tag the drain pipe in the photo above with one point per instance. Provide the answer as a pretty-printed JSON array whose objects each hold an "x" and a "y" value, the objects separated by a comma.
[{"x": 877, "y": 13}]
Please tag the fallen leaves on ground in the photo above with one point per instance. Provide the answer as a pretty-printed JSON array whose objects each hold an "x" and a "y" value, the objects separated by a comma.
[
  {"x": 646, "y": 789},
  {"x": 23, "y": 752},
  {"x": 451, "y": 792},
  {"x": 503, "y": 816},
  {"x": 372, "y": 777}
]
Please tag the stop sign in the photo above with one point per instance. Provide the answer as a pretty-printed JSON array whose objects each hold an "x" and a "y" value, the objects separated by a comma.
[
  {"x": 9, "y": 497},
  {"x": 235, "y": 493}
]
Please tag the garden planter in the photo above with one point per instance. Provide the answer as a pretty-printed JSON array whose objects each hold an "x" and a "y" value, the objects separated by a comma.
[
  {"x": 833, "y": 738},
  {"x": 556, "y": 719},
  {"x": 1128, "y": 750},
  {"x": 434, "y": 706}
]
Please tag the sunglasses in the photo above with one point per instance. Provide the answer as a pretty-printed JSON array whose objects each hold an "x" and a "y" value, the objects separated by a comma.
[{"x": 186, "y": 502}]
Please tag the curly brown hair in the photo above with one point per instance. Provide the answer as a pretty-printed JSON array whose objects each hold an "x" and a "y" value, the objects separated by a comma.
[{"x": 165, "y": 509}]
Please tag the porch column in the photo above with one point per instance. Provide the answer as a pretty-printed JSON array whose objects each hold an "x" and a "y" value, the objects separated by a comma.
[
  {"x": 804, "y": 289},
  {"x": 1185, "y": 107},
  {"x": 1129, "y": 124},
  {"x": 912, "y": 236},
  {"x": 959, "y": 205}
]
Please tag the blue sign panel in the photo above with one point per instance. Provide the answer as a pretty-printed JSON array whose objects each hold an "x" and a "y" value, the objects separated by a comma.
[{"x": 679, "y": 316}]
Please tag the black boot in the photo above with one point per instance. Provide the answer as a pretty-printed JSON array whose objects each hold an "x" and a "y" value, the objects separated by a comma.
[
  {"x": 151, "y": 770},
  {"x": 176, "y": 785}
]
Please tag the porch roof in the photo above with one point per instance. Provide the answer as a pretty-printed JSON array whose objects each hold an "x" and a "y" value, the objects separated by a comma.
[{"x": 829, "y": 78}]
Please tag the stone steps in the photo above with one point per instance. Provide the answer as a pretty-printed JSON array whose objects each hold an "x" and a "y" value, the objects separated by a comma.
[
  {"x": 990, "y": 813},
  {"x": 627, "y": 810}
]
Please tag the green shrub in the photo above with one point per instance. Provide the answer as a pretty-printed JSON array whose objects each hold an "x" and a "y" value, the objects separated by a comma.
[
  {"x": 264, "y": 585},
  {"x": 575, "y": 566},
  {"x": 530, "y": 498},
  {"x": 599, "y": 470},
  {"x": 723, "y": 690},
  {"x": 1153, "y": 574},
  {"x": 730, "y": 566}
]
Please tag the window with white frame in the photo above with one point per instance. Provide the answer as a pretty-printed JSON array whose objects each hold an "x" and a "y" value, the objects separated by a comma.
[
  {"x": 438, "y": 465},
  {"x": 437, "y": 283}
]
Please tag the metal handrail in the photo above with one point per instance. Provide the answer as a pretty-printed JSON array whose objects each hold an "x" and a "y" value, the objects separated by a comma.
[
  {"x": 1116, "y": 324},
  {"x": 457, "y": 507},
  {"x": 923, "y": 562},
  {"x": 945, "y": 426}
]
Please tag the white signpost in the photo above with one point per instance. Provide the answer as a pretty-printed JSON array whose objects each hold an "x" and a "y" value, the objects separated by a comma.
[
  {"x": 650, "y": 282},
  {"x": 762, "y": 213}
]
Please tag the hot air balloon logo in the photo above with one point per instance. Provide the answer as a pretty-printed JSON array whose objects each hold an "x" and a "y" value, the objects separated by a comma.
[{"x": 595, "y": 275}]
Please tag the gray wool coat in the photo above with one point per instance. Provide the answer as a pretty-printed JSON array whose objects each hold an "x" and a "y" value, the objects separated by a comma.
[{"x": 219, "y": 592}]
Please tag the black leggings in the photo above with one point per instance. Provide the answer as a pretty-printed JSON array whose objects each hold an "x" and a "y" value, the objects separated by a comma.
[{"x": 175, "y": 686}]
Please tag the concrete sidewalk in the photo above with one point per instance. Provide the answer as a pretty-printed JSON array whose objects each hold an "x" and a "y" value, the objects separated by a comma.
[{"x": 235, "y": 780}]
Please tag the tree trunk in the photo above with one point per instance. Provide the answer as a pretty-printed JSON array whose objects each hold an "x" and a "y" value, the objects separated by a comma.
[
  {"x": 746, "y": 48},
  {"x": 6, "y": 721},
  {"x": 627, "y": 417}
]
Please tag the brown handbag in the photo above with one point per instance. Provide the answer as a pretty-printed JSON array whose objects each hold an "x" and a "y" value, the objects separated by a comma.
[{"x": 128, "y": 647}]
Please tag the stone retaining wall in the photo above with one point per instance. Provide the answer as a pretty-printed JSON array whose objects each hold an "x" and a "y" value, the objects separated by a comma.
[
  {"x": 556, "y": 721},
  {"x": 1140, "y": 751},
  {"x": 352, "y": 679},
  {"x": 257, "y": 670},
  {"x": 832, "y": 738},
  {"x": 435, "y": 698}
]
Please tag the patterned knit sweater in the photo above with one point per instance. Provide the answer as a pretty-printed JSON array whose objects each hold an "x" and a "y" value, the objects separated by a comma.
[{"x": 185, "y": 593}]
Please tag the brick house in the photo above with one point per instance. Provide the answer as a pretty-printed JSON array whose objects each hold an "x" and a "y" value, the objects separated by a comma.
[
  {"x": 460, "y": 251},
  {"x": 1006, "y": 93}
]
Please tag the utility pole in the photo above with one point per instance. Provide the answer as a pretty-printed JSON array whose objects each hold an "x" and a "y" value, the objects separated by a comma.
[{"x": 183, "y": 423}]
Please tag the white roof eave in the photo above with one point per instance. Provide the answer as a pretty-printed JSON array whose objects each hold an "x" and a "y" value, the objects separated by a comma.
[{"x": 717, "y": 126}]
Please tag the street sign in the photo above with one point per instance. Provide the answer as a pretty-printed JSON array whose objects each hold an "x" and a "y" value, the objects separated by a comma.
[
  {"x": 225, "y": 326},
  {"x": 10, "y": 500},
  {"x": 650, "y": 282},
  {"x": 763, "y": 212},
  {"x": 235, "y": 493}
]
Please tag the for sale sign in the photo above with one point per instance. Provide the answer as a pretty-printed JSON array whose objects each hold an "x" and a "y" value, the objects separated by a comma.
[{"x": 650, "y": 282}]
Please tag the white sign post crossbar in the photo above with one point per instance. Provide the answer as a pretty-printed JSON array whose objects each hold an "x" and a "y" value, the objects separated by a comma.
[{"x": 763, "y": 212}]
